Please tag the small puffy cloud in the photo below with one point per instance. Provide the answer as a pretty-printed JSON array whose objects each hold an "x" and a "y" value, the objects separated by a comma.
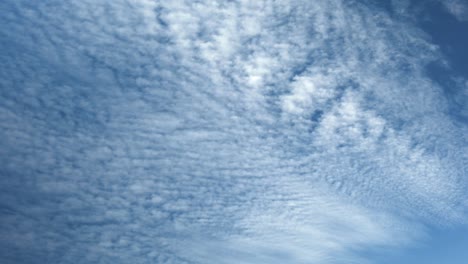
[{"x": 458, "y": 8}]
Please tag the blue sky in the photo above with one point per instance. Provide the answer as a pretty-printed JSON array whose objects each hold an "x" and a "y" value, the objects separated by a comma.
[
  {"x": 198, "y": 132},
  {"x": 442, "y": 246}
]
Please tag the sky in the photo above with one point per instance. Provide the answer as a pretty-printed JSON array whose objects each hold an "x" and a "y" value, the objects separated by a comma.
[{"x": 234, "y": 132}]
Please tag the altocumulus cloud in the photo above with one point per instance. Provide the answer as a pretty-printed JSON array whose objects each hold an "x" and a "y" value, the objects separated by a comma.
[{"x": 140, "y": 131}]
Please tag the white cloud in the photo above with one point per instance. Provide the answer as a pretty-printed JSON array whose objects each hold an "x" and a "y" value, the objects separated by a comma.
[
  {"x": 457, "y": 8},
  {"x": 264, "y": 131}
]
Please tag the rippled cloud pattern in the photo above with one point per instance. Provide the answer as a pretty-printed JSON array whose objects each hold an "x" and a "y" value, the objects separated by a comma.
[{"x": 146, "y": 131}]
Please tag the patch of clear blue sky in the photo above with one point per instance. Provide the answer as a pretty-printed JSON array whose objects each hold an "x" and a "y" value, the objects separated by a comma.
[
  {"x": 443, "y": 246},
  {"x": 451, "y": 35}
]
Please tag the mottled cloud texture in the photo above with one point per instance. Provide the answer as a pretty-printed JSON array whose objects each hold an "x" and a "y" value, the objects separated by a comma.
[{"x": 139, "y": 131}]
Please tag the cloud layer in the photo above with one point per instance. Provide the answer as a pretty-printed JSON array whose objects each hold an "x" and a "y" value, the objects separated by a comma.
[{"x": 138, "y": 131}]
